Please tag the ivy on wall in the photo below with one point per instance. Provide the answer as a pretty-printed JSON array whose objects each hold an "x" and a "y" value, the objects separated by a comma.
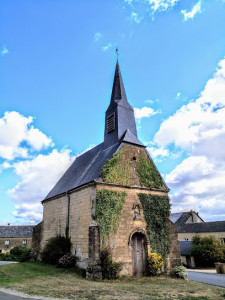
[
  {"x": 115, "y": 172},
  {"x": 109, "y": 205},
  {"x": 148, "y": 174},
  {"x": 157, "y": 211}
]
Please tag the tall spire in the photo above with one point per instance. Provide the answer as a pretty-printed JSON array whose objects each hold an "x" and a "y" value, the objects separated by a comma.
[
  {"x": 119, "y": 120},
  {"x": 118, "y": 96}
]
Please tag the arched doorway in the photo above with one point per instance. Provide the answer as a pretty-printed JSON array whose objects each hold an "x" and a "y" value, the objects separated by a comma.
[{"x": 138, "y": 254}]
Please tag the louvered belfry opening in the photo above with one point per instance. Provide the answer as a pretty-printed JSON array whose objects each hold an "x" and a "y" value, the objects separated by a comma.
[{"x": 111, "y": 123}]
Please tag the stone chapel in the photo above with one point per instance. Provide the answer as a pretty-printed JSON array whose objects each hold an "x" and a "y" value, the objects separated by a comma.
[{"x": 113, "y": 196}]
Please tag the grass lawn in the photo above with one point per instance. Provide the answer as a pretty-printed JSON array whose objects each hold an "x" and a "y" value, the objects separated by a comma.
[{"x": 45, "y": 280}]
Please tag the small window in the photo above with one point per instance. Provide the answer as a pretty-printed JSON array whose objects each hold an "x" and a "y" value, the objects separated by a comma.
[
  {"x": 111, "y": 123},
  {"x": 186, "y": 239},
  {"x": 7, "y": 243},
  {"x": 24, "y": 242},
  {"x": 134, "y": 158},
  {"x": 223, "y": 241}
]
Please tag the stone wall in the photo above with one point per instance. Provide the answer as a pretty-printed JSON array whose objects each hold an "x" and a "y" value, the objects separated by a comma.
[
  {"x": 130, "y": 223},
  {"x": 14, "y": 242},
  {"x": 132, "y": 155},
  {"x": 55, "y": 220},
  {"x": 36, "y": 241},
  {"x": 81, "y": 206},
  {"x": 173, "y": 259}
]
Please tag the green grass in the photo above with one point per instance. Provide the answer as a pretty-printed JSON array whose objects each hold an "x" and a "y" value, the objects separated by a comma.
[{"x": 45, "y": 280}]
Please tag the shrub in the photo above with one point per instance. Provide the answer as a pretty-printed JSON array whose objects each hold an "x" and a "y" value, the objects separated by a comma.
[
  {"x": 7, "y": 257},
  {"x": 207, "y": 251},
  {"x": 55, "y": 248},
  {"x": 180, "y": 272},
  {"x": 110, "y": 269},
  {"x": 67, "y": 261},
  {"x": 20, "y": 253},
  {"x": 154, "y": 263}
]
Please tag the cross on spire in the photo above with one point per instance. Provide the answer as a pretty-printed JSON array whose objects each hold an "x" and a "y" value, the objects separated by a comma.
[{"x": 117, "y": 52}]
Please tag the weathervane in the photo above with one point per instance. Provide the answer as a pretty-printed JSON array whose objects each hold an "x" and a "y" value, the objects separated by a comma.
[{"x": 117, "y": 52}]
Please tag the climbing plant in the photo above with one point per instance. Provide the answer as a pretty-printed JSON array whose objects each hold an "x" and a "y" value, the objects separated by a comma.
[
  {"x": 109, "y": 205},
  {"x": 148, "y": 174},
  {"x": 115, "y": 172},
  {"x": 157, "y": 211}
]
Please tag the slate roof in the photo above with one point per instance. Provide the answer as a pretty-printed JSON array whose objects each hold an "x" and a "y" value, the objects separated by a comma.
[
  {"x": 185, "y": 247},
  {"x": 175, "y": 216},
  {"x": 84, "y": 169},
  {"x": 16, "y": 231},
  {"x": 130, "y": 138},
  {"x": 182, "y": 217},
  {"x": 118, "y": 96},
  {"x": 216, "y": 226}
]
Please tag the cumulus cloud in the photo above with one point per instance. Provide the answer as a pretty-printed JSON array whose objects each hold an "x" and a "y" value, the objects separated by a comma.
[
  {"x": 158, "y": 152},
  {"x": 16, "y": 129},
  {"x": 191, "y": 14},
  {"x": 37, "y": 177},
  {"x": 144, "y": 112},
  {"x": 199, "y": 129}
]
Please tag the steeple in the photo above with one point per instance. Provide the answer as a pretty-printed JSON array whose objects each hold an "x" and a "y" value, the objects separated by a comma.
[
  {"x": 118, "y": 95},
  {"x": 119, "y": 118}
]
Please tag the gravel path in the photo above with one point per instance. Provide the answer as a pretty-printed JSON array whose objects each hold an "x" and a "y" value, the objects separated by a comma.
[{"x": 209, "y": 278}]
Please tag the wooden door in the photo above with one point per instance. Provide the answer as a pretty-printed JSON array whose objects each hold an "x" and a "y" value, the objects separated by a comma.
[{"x": 138, "y": 254}]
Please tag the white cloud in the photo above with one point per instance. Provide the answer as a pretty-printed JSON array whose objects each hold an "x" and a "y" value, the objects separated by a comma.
[
  {"x": 15, "y": 129},
  {"x": 156, "y": 152},
  {"x": 144, "y": 112},
  {"x": 199, "y": 129},
  {"x": 97, "y": 36},
  {"x": 191, "y": 14},
  {"x": 135, "y": 17},
  {"x": 37, "y": 177},
  {"x": 4, "y": 51},
  {"x": 107, "y": 47},
  {"x": 162, "y": 5}
]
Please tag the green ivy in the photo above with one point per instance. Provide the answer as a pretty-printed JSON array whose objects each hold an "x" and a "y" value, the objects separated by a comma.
[
  {"x": 157, "y": 211},
  {"x": 115, "y": 172},
  {"x": 109, "y": 205},
  {"x": 148, "y": 174}
]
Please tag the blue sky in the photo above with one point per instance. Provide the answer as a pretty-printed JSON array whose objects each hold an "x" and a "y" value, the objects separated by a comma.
[{"x": 57, "y": 65}]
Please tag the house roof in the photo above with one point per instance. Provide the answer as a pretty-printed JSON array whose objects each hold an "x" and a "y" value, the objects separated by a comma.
[
  {"x": 175, "y": 216},
  {"x": 182, "y": 217},
  {"x": 216, "y": 226},
  {"x": 185, "y": 247},
  {"x": 16, "y": 231}
]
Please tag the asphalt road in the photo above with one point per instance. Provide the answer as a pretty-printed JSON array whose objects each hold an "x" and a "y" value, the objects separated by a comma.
[
  {"x": 209, "y": 278},
  {"x": 6, "y": 294}
]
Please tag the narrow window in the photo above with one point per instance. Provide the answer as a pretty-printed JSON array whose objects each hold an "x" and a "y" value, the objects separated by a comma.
[
  {"x": 7, "y": 243},
  {"x": 111, "y": 123},
  {"x": 24, "y": 242}
]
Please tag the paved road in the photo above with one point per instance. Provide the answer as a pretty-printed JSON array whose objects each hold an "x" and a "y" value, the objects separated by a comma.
[
  {"x": 209, "y": 278},
  {"x": 7, "y": 294},
  {"x": 7, "y": 262}
]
